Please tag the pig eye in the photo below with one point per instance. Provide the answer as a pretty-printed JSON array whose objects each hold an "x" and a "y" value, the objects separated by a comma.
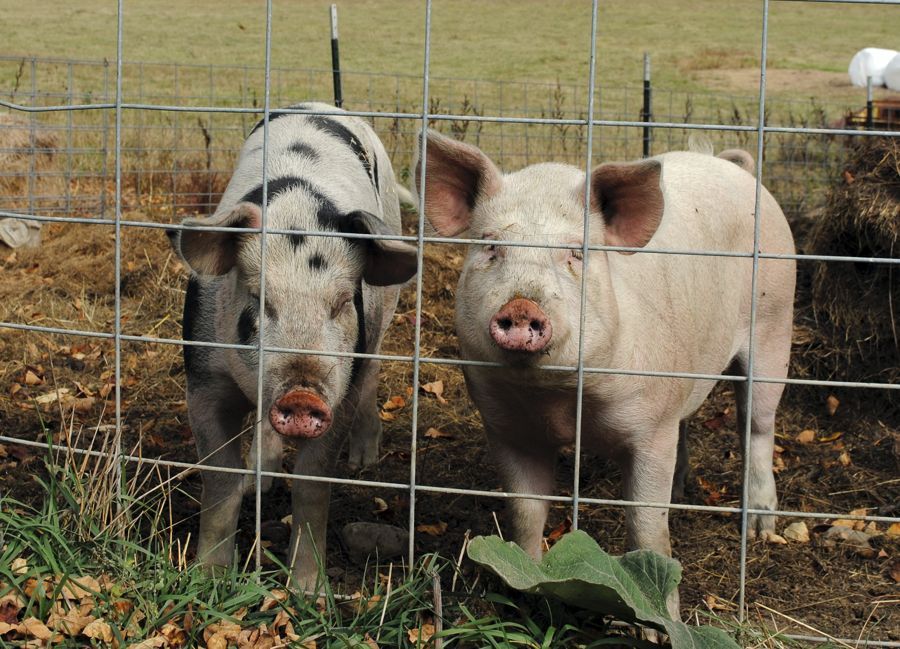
[
  {"x": 577, "y": 254},
  {"x": 341, "y": 305}
]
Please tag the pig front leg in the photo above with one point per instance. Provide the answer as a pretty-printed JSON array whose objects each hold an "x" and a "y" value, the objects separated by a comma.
[
  {"x": 216, "y": 415},
  {"x": 648, "y": 471},
  {"x": 272, "y": 449},
  {"x": 524, "y": 468},
  {"x": 365, "y": 435},
  {"x": 311, "y": 501}
]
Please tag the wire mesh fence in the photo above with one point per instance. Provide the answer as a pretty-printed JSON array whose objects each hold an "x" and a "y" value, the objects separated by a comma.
[
  {"x": 137, "y": 146},
  {"x": 188, "y": 156}
]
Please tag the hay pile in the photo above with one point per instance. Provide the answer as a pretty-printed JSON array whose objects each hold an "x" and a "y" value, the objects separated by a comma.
[{"x": 856, "y": 304}]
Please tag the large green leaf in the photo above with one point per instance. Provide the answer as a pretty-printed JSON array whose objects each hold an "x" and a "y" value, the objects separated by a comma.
[{"x": 633, "y": 587}]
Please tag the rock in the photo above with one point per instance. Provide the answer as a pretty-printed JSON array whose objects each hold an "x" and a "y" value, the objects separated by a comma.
[
  {"x": 364, "y": 540},
  {"x": 845, "y": 537}
]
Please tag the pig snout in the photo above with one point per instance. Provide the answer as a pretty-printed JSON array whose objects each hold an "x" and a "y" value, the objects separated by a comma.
[
  {"x": 521, "y": 326},
  {"x": 300, "y": 413}
]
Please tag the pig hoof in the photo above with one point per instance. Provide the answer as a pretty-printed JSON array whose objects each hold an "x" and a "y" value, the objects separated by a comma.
[{"x": 769, "y": 536}]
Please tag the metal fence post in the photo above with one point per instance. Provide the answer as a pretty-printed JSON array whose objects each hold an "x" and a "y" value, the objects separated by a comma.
[
  {"x": 870, "y": 108},
  {"x": 336, "y": 60},
  {"x": 647, "y": 110}
]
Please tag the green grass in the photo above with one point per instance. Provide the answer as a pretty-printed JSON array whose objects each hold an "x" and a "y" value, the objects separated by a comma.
[
  {"x": 94, "y": 549},
  {"x": 501, "y": 39}
]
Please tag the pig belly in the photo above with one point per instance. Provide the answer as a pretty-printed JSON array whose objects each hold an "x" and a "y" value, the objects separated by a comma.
[{"x": 542, "y": 417}]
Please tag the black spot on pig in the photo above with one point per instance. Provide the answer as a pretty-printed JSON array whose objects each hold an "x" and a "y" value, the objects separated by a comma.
[
  {"x": 276, "y": 186},
  {"x": 304, "y": 149},
  {"x": 317, "y": 262},
  {"x": 273, "y": 115},
  {"x": 345, "y": 135}
]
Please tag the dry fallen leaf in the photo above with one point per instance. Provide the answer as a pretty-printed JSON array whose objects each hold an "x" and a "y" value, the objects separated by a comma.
[
  {"x": 32, "y": 379},
  {"x": 386, "y": 416},
  {"x": 432, "y": 529},
  {"x": 893, "y": 529},
  {"x": 895, "y": 571},
  {"x": 381, "y": 505},
  {"x": 98, "y": 630},
  {"x": 806, "y": 436},
  {"x": 275, "y": 598},
  {"x": 19, "y": 566},
  {"x": 853, "y": 524},
  {"x": 797, "y": 532},
  {"x": 716, "y": 603},
  {"x": 79, "y": 587},
  {"x": 437, "y": 389},
  {"x": 34, "y": 627},
  {"x": 10, "y": 605},
  {"x": 422, "y": 634},
  {"x": 830, "y": 438},
  {"x": 557, "y": 532},
  {"x": 844, "y": 458},
  {"x": 52, "y": 397},
  {"x": 831, "y": 404},
  {"x": 394, "y": 403},
  {"x": 434, "y": 433}
]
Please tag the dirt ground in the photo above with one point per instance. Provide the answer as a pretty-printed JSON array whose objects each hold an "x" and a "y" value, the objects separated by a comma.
[
  {"x": 851, "y": 463},
  {"x": 835, "y": 86}
]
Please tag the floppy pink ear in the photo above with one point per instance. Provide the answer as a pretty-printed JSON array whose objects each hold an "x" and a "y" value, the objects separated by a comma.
[
  {"x": 215, "y": 253},
  {"x": 628, "y": 197},
  {"x": 457, "y": 176}
]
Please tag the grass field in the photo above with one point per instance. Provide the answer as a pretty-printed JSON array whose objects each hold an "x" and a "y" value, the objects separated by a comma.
[{"x": 501, "y": 39}]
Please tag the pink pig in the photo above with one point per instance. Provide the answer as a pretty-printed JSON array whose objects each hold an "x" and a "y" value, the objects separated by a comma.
[{"x": 520, "y": 306}]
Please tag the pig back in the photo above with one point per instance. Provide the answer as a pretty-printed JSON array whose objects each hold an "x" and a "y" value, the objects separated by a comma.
[{"x": 691, "y": 313}]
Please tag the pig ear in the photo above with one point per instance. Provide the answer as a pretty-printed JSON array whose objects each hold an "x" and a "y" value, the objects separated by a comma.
[
  {"x": 457, "y": 176},
  {"x": 630, "y": 200},
  {"x": 388, "y": 261},
  {"x": 215, "y": 253}
]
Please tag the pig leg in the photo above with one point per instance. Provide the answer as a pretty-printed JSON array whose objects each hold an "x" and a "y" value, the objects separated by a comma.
[
  {"x": 216, "y": 416},
  {"x": 682, "y": 464},
  {"x": 311, "y": 501},
  {"x": 365, "y": 435},
  {"x": 526, "y": 470},
  {"x": 272, "y": 454},
  {"x": 647, "y": 476},
  {"x": 761, "y": 485}
]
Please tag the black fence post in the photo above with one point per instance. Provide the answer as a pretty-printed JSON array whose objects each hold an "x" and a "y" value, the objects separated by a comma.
[
  {"x": 336, "y": 59},
  {"x": 647, "y": 110},
  {"x": 870, "y": 109}
]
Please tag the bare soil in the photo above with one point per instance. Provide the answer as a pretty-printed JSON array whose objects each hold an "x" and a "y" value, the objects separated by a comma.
[
  {"x": 830, "y": 86},
  {"x": 69, "y": 282}
]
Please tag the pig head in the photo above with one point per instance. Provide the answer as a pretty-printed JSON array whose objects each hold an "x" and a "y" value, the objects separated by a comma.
[{"x": 519, "y": 303}]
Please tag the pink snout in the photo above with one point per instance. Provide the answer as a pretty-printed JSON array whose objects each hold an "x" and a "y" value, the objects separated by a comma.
[
  {"x": 521, "y": 326},
  {"x": 300, "y": 413}
]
